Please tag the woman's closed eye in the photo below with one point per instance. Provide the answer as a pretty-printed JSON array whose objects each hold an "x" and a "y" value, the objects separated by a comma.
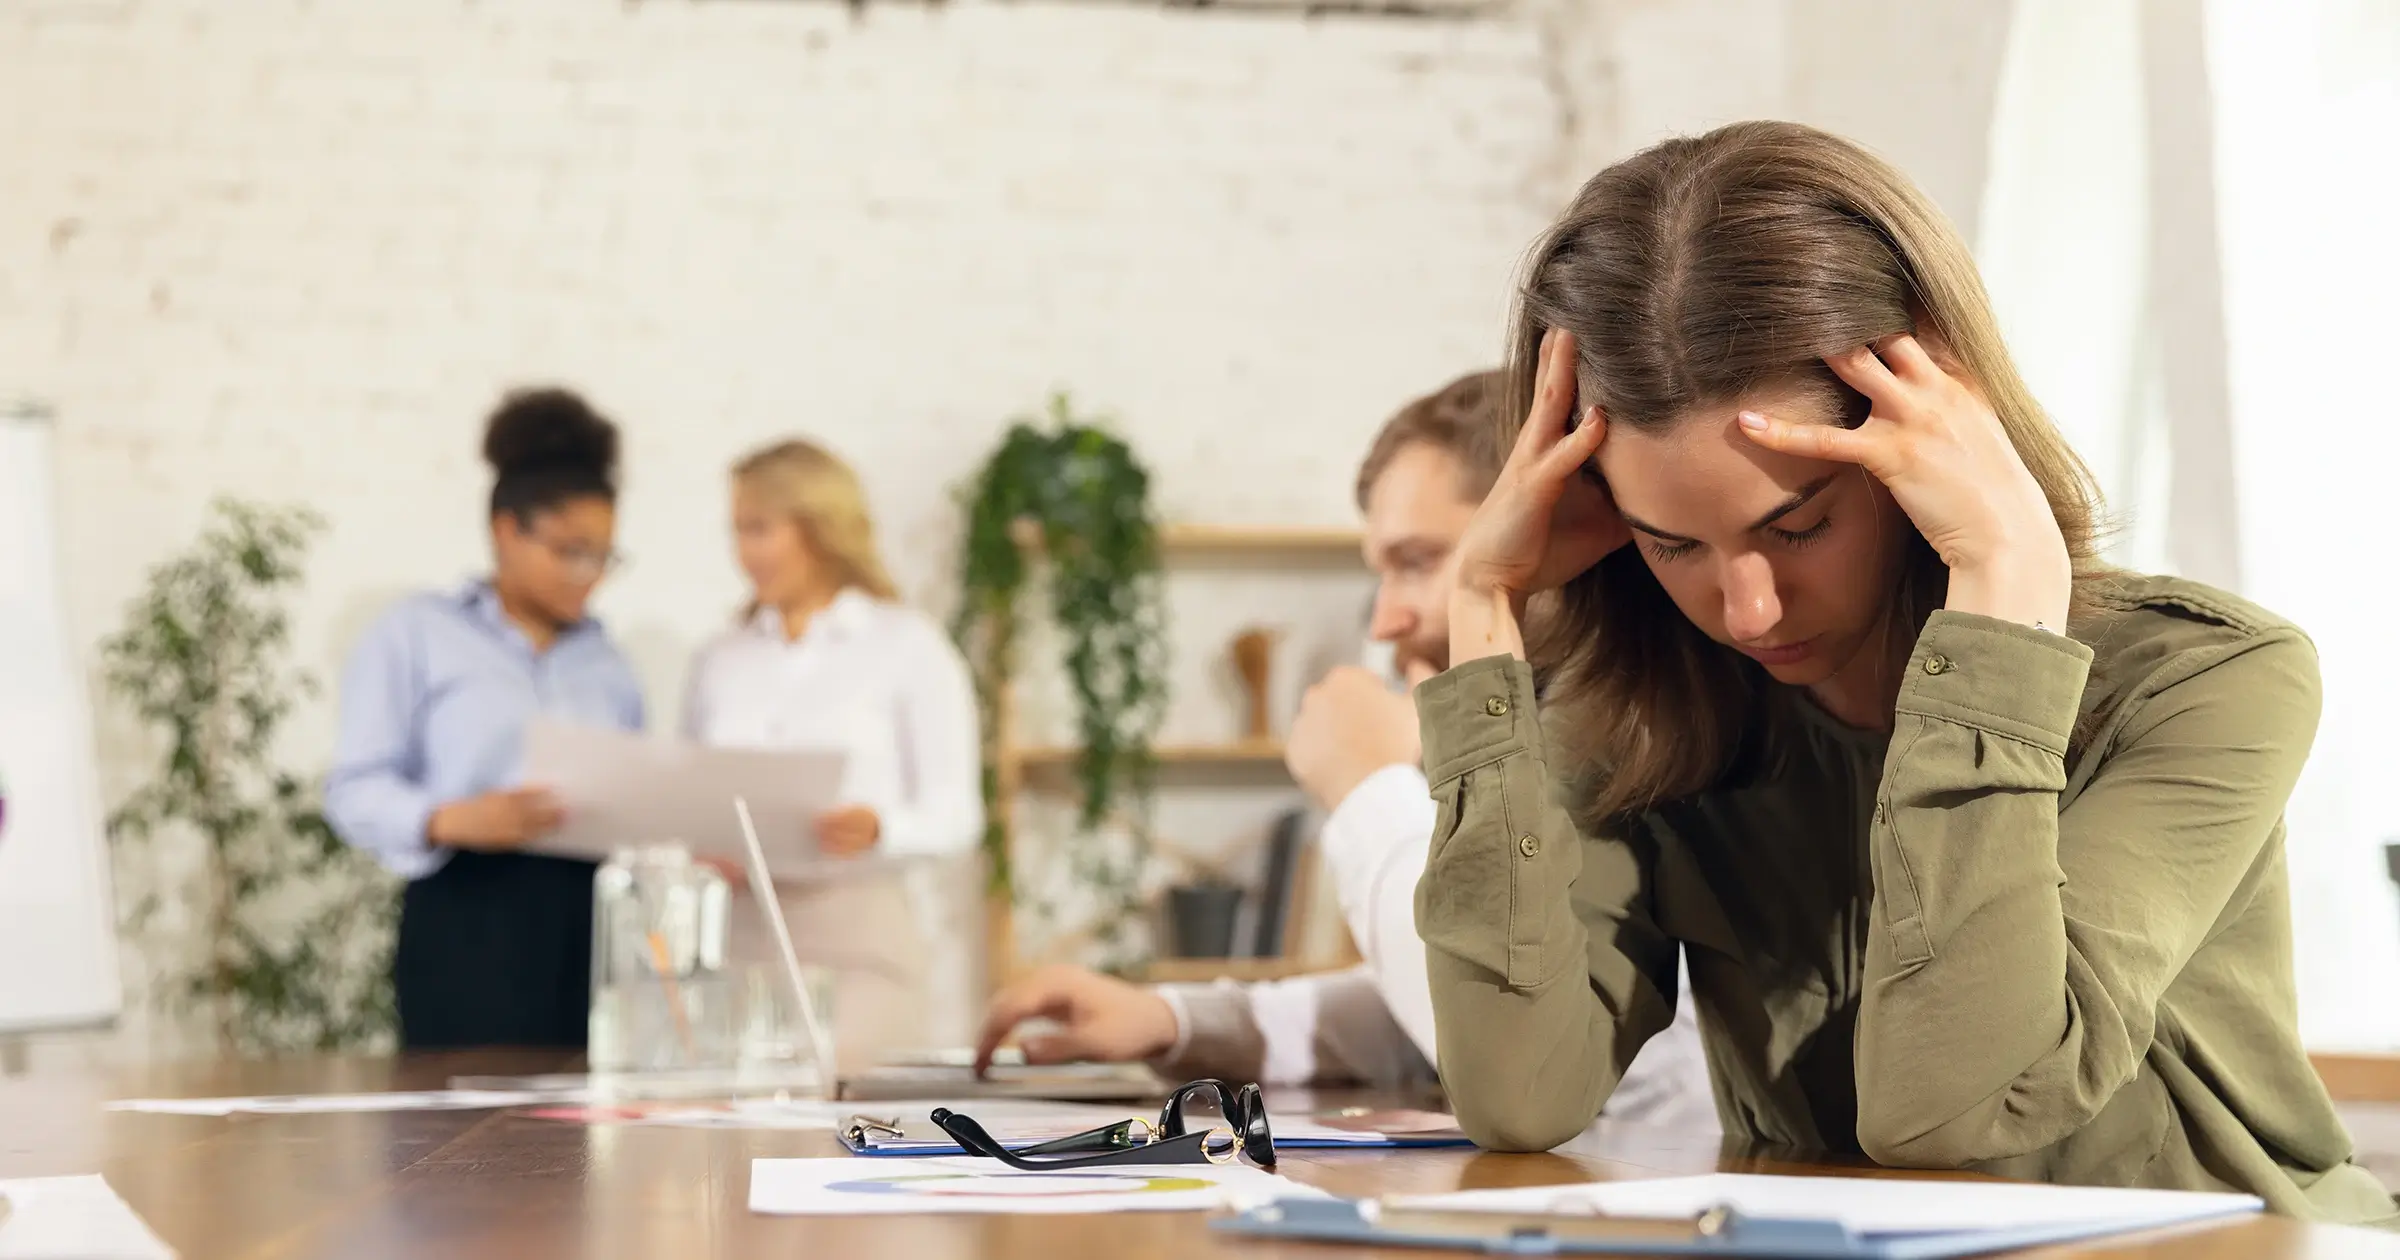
[
  {"x": 1662, "y": 550},
  {"x": 1666, "y": 549},
  {"x": 1801, "y": 537}
]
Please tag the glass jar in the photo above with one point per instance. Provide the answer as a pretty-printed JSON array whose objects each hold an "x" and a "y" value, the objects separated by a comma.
[{"x": 662, "y": 999}]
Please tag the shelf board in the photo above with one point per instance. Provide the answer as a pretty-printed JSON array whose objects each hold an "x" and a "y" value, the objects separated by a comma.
[
  {"x": 1314, "y": 541},
  {"x": 1302, "y": 538},
  {"x": 1238, "y": 753},
  {"x": 1245, "y": 970}
]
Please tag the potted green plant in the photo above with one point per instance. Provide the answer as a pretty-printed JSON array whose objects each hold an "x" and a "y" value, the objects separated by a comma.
[
  {"x": 286, "y": 943},
  {"x": 1065, "y": 497}
]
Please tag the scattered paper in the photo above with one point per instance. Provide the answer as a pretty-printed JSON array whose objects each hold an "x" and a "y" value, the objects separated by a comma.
[
  {"x": 802, "y": 1114},
  {"x": 309, "y": 1104},
  {"x": 1007, "y": 1117},
  {"x": 689, "y": 1084},
  {"x": 1391, "y": 1122},
  {"x": 623, "y": 789},
  {"x": 915, "y": 1187},
  {"x": 1092, "y": 1082},
  {"x": 1367, "y": 1127},
  {"x": 1864, "y": 1205},
  {"x": 72, "y": 1218}
]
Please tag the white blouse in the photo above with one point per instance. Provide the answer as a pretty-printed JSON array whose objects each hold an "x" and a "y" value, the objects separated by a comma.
[{"x": 878, "y": 681}]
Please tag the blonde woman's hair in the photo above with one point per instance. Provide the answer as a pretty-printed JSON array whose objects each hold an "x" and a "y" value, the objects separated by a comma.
[
  {"x": 1694, "y": 274},
  {"x": 813, "y": 488}
]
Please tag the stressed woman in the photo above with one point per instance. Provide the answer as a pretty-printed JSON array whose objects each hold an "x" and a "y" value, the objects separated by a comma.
[
  {"x": 495, "y": 945},
  {"x": 1974, "y": 845},
  {"x": 826, "y": 657}
]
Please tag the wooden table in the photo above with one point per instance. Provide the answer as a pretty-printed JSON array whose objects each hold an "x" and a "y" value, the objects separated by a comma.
[{"x": 477, "y": 1184}]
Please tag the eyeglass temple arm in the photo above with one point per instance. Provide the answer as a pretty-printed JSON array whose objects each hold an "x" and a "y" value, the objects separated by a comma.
[{"x": 974, "y": 1139}]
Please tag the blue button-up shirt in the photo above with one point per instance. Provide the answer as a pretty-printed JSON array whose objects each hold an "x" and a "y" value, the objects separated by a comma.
[{"x": 433, "y": 709}]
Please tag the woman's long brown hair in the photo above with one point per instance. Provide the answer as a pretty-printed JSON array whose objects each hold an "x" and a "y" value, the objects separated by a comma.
[{"x": 1693, "y": 275}]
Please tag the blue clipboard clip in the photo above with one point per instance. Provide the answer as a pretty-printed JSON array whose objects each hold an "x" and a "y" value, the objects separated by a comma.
[{"x": 1720, "y": 1231}]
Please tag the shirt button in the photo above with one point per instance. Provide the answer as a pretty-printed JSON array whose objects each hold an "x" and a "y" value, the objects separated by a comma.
[
  {"x": 1528, "y": 846},
  {"x": 1939, "y": 664},
  {"x": 1881, "y": 815},
  {"x": 1496, "y": 706}
]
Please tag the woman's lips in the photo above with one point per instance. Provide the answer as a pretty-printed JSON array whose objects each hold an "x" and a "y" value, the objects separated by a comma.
[{"x": 1780, "y": 654}]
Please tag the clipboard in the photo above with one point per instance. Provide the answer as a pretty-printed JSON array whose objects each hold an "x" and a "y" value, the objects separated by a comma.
[{"x": 1719, "y": 1231}]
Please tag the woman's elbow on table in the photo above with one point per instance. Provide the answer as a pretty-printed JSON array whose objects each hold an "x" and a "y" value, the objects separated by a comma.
[
  {"x": 1516, "y": 1107},
  {"x": 1516, "y": 1129}
]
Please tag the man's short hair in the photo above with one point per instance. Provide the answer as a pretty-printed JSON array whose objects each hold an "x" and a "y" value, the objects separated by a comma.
[{"x": 1461, "y": 418}]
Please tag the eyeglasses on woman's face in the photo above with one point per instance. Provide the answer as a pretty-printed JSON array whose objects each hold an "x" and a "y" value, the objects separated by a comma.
[{"x": 579, "y": 558}]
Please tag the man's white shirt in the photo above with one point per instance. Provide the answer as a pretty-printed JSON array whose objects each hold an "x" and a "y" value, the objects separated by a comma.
[{"x": 1374, "y": 1022}]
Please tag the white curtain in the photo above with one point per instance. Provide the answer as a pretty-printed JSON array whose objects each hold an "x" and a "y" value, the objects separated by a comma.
[
  {"x": 2308, "y": 152},
  {"x": 2188, "y": 230},
  {"x": 2063, "y": 240}
]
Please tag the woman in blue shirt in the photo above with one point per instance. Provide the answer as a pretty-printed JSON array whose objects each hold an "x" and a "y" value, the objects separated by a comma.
[{"x": 495, "y": 945}]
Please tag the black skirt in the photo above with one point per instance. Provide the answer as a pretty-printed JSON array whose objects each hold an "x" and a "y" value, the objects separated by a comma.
[{"x": 495, "y": 949}]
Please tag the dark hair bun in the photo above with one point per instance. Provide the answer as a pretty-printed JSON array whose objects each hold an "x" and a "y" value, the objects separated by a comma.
[{"x": 542, "y": 430}]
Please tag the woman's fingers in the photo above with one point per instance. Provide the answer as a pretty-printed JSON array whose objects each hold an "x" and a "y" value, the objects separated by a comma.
[
  {"x": 1864, "y": 446},
  {"x": 1578, "y": 447},
  {"x": 1553, "y": 396},
  {"x": 1908, "y": 360},
  {"x": 1869, "y": 375}
]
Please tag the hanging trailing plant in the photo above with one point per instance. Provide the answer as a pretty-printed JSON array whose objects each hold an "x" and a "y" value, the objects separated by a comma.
[
  {"x": 1085, "y": 497},
  {"x": 287, "y": 945}
]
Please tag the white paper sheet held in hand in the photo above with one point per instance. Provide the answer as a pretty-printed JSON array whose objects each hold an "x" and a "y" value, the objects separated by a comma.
[
  {"x": 913, "y": 1187},
  {"x": 622, "y": 789}
]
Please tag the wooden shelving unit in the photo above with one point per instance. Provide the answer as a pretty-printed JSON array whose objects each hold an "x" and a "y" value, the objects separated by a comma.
[
  {"x": 1288, "y": 541},
  {"x": 1259, "y": 539},
  {"x": 1204, "y": 970},
  {"x": 1016, "y": 764},
  {"x": 1255, "y": 752}
]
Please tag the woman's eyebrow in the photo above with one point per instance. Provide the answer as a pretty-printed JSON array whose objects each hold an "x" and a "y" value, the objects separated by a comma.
[{"x": 1799, "y": 499}]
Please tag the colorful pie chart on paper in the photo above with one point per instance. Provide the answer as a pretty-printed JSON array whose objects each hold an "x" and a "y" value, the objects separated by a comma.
[{"x": 1018, "y": 1185}]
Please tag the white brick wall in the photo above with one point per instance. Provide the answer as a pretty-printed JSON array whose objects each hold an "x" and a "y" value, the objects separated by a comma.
[
  {"x": 286, "y": 250},
  {"x": 290, "y": 250}
]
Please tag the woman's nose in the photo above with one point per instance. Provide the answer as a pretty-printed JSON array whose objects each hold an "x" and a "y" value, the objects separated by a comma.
[{"x": 1752, "y": 609}]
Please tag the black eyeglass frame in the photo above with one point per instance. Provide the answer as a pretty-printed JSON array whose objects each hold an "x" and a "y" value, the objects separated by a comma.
[
  {"x": 1244, "y": 1109},
  {"x": 1170, "y": 1141}
]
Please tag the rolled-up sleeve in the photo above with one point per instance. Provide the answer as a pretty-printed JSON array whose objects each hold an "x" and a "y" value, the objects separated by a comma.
[
  {"x": 374, "y": 797},
  {"x": 2016, "y": 954},
  {"x": 1546, "y": 967}
]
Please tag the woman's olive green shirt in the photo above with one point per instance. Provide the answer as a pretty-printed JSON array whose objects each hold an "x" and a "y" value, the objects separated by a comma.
[{"x": 2041, "y": 929}]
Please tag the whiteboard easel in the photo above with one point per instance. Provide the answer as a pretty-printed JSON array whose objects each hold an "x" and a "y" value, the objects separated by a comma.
[{"x": 58, "y": 937}]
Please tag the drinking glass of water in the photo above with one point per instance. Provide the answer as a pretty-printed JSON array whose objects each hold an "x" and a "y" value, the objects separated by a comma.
[{"x": 662, "y": 998}]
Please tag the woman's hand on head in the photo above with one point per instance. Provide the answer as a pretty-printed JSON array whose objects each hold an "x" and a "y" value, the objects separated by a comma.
[
  {"x": 1940, "y": 449},
  {"x": 1546, "y": 518}
]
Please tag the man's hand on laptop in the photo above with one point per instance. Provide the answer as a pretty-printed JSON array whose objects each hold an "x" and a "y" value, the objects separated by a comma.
[{"x": 1098, "y": 1018}]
